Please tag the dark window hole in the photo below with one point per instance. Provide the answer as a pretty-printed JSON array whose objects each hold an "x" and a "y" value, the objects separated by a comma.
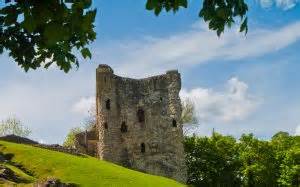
[
  {"x": 105, "y": 125},
  {"x": 174, "y": 123},
  {"x": 123, "y": 127},
  {"x": 107, "y": 104},
  {"x": 143, "y": 148},
  {"x": 141, "y": 115}
]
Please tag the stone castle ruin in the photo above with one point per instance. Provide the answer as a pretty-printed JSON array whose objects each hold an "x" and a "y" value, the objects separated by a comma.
[{"x": 138, "y": 123}]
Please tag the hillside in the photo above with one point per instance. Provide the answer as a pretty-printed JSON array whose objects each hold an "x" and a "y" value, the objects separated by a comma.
[{"x": 33, "y": 164}]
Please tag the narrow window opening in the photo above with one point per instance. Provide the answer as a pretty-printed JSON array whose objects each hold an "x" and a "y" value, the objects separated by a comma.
[
  {"x": 174, "y": 123},
  {"x": 143, "y": 148},
  {"x": 123, "y": 127},
  {"x": 105, "y": 125},
  {"x": 107, "y": 104},
  {"x": 141, "y": 115}
]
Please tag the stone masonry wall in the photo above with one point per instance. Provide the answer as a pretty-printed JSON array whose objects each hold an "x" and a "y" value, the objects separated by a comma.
[{"x": 138, "y": 121}]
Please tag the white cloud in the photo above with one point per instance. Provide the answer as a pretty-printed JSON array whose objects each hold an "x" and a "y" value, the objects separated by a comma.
[
  {"x": 84, "y": 105},
  {"x": 282, "y": 4},
  {"x": 266, "y": 3},
  {"x": 197, "y": 45},
  {"x": 297, "y": 132},
  {"x": 231, "y": 104}
]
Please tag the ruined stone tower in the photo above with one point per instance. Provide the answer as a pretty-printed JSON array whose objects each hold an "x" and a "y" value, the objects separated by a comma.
[{"x": 138, "y": 123}]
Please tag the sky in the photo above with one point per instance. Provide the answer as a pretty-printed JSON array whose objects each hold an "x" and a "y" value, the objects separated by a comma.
[{"x": 238, "y": 83}]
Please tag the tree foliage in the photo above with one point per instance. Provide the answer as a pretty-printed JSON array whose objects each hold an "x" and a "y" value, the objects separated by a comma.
[
  {"x": 212, "y": 161},
  {"x": 290, "y": 168},
  {"x": 188, "y": 114},
  {"x": 14, "y": 126},
  {"x": 223, "y": 161},
  {"x": 90, "y": 120},
  {"x": 87, "y": 124},
  {"x": 70, "y": 138},
  {"x": 218, "y": 13},
  {"x": 41, "y": 33},
  {"x": 258, "y": 162}
]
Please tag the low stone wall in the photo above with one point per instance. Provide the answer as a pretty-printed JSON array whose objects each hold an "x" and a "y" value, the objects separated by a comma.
[
  {"x": 17, "y": 139},
  {"x": 59, "y": 148},
  {"x": 53, "y": 147}
]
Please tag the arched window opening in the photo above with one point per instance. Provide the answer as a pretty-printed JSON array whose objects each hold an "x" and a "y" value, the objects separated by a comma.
[
  {"x": 105, "y": 125},
  {"x": 107, "y": 104},
  {"x": 174, "y": 123},
  {"x": 141, "y": 115},
  {"x": 123, "y": 127},
  {"x": 143, "y": 148}
]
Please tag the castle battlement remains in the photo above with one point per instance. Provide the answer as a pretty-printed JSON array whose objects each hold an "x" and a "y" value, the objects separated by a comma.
[{"x": 138, "y": 123}]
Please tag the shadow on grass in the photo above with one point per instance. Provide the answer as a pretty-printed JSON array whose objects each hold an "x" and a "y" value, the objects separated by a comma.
[{"x": 6, "y": 159}]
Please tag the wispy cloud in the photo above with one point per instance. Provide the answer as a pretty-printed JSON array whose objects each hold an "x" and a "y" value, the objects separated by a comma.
[
  {"x": 282, "y": 4},
  {"x": 232, "y": 103},
  {"x": 198, "y": 45},
  {"x": 84, "y": 105}
]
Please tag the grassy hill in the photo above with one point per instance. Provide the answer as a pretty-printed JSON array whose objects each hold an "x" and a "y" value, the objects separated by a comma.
[{"x": 35, "y": 164}]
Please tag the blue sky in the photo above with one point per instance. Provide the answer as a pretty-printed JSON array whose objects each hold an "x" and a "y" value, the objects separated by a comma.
[{"x": 239, "y": 84}]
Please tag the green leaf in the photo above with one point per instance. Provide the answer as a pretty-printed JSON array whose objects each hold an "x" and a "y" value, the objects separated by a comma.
[
  {"x": 47, "y": 65},
  {"x": 157, "y": 10},
  {"x": 87, "y": 3},
  {"x": 219, "y": 32},
  {"x": 88, "y": 20},
  {"x": 86, "y": 53},
  {"x": 151, "y": 4},
  {"x": 29, "y": 23},
  {"x": 183, "y": 3},
  {"x": 244, "y": 26},
  {"x": 221, "y": 12},
  {"x": 167, "y": 5}
]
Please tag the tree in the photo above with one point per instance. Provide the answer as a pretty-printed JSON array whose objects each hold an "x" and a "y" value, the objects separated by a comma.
[
  {"x": 287, "y": 154},
  {"x": 70, "y": 138},
  {"x": 258, "y": 162},
  {"x": 90, "y": 121},
  {"x": 14, "y": 126},
  {"x": 281, "y": 143},
  {"x": 212, "y": 161},
  {"x": 222, "y": 161},
  {"x": 41, "y": 33},
  {"x": 290, "y": 168},
  {"x": 188, "y": 115}
]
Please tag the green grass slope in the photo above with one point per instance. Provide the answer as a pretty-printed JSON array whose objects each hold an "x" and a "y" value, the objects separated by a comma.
[{"x": 84, "y": 171}]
